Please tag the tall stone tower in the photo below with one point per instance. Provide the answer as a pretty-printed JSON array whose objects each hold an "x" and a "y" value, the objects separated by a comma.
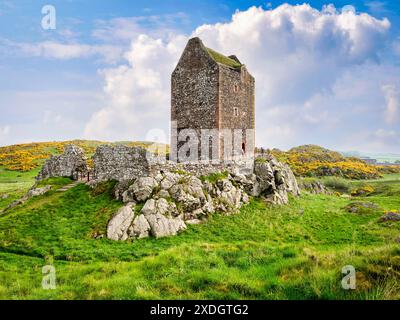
[{"x": 213, "y": 96}]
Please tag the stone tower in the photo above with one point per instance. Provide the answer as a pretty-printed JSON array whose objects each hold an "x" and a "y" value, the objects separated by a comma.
[{"x": 213, "y": 95}]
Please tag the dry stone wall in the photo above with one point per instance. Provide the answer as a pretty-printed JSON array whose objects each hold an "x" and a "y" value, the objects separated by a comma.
[
  {"x": 120, "y": 163},
  {"x": 68, "y": 164}
]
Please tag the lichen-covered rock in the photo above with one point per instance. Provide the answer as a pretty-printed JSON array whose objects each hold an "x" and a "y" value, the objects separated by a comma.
[
  {"x": 140, "y": 227},
  {"x": 68, "y": 164},
  {"x": 161, "y": 226},
  {"x": 143, "y": 187},
  {"x": 188, "y": 201},
  {"x": 390, "y": 216},
  {"x": 118, "y": 226},
  {"x": 169, "y": 180},
  {"x": 314, "y": 187},
  {"x": 120, "y": 188},
  {"x": 265, "y": 178},
  {"x": 230, "y": 196},
  {"x": 274, "y": 180},
  {"x": 158, "y": 218},
  {"x": 161, "y": 206},
  {"x": 366, "y": 207},
  {"x": 162, "y": 194},
  {"x": 172, "y": 200},
  {"x": 34, "y": 192}
]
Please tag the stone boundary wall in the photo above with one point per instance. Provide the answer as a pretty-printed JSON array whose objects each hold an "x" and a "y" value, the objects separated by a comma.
[
  {"x": 120, "y": 163},
  {"x": 69, "y": 164},
  {"x": 201, "y": 169},
  {"x": 123, "y": 163}
]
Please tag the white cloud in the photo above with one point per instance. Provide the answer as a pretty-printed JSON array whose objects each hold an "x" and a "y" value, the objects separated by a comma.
[
  {"x": 137, "y": 94},
  {"x": 392, "y": 97},
  {"x": 63, "y": 51},
  {"x": 382, "y": 133},
  {"x": 377, "y": 6},
  {"x": 318, "y": 76},
  {"x": 128, "y": 28},
  {"x": 349, "y": 8},
  {"x": 45, "y": 115}
]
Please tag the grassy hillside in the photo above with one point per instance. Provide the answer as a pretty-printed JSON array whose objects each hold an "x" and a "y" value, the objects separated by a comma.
[
  {"x": 295, "y": 251},
  {"x": 315, "y": 161},
  {"x": 265, "y": 252}
]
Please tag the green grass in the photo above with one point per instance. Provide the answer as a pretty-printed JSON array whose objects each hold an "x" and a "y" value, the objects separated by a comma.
[
  {"x": 214, "y": 177},
  {"x": 220, "y": 58},
  {"x": 295, "y": 251},
  {"x": 337, "y": 184},
  {"x": 14, "y": 184}
]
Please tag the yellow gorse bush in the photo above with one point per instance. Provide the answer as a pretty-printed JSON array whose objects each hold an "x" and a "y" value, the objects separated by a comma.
[
  {"x": 311, "y": 160},
  {"x": 25, "y": 157}
]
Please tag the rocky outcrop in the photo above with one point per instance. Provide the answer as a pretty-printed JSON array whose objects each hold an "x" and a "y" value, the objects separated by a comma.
[
  {"x": 68, "y": 164},
  {"x": 273, "y": 180},
  {"x": 118, "y": 226},
  {"x": 140, "y": 190},
  {"x": 35, "y": 192},
  {"x": 314, "y": 187},
  {"x": 358, "y": 207},
  {"x": 390, "y": 216},
  {"x": 169, "y": 201}
]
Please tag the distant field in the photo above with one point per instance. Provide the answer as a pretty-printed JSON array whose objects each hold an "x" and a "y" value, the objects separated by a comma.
[{"x": 386, "y": 158}]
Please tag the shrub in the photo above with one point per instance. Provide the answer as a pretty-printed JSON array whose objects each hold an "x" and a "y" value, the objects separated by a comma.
[
  {"x": 337, "y": 184},
  {"x": 362, "y": 191},
  {"x": 214, "y": 177},
  {"x": 315, "y": 161},
  {"x": 104, "y": 187},
  {"x": 363, "y": 208}
]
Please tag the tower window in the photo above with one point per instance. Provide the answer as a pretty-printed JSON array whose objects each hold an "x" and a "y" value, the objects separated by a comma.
[
  {"x": 236, "y": 112},
  {"x": 235, "y": 88}
]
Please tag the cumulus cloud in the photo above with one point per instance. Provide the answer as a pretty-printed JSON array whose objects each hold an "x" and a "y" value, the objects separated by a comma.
[
  {"x": 137, "y": 93},
  {"x": 315, "y": 70}
]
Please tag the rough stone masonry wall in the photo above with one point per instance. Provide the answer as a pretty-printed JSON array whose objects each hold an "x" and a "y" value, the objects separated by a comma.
[
  {"x": 73, "y": 160},
  {"x": 200, "y": 169},
  {"x": 120, "y": 163},
  {"x": 194, "y": 91},
  {"x": 237, "y": 92},
  {"x": 205, "y": 95},
  {"x": 123, "y": 163}
]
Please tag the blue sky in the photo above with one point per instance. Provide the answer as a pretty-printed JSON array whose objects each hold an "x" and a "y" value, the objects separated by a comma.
[{"x": 324, "y": 75}]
